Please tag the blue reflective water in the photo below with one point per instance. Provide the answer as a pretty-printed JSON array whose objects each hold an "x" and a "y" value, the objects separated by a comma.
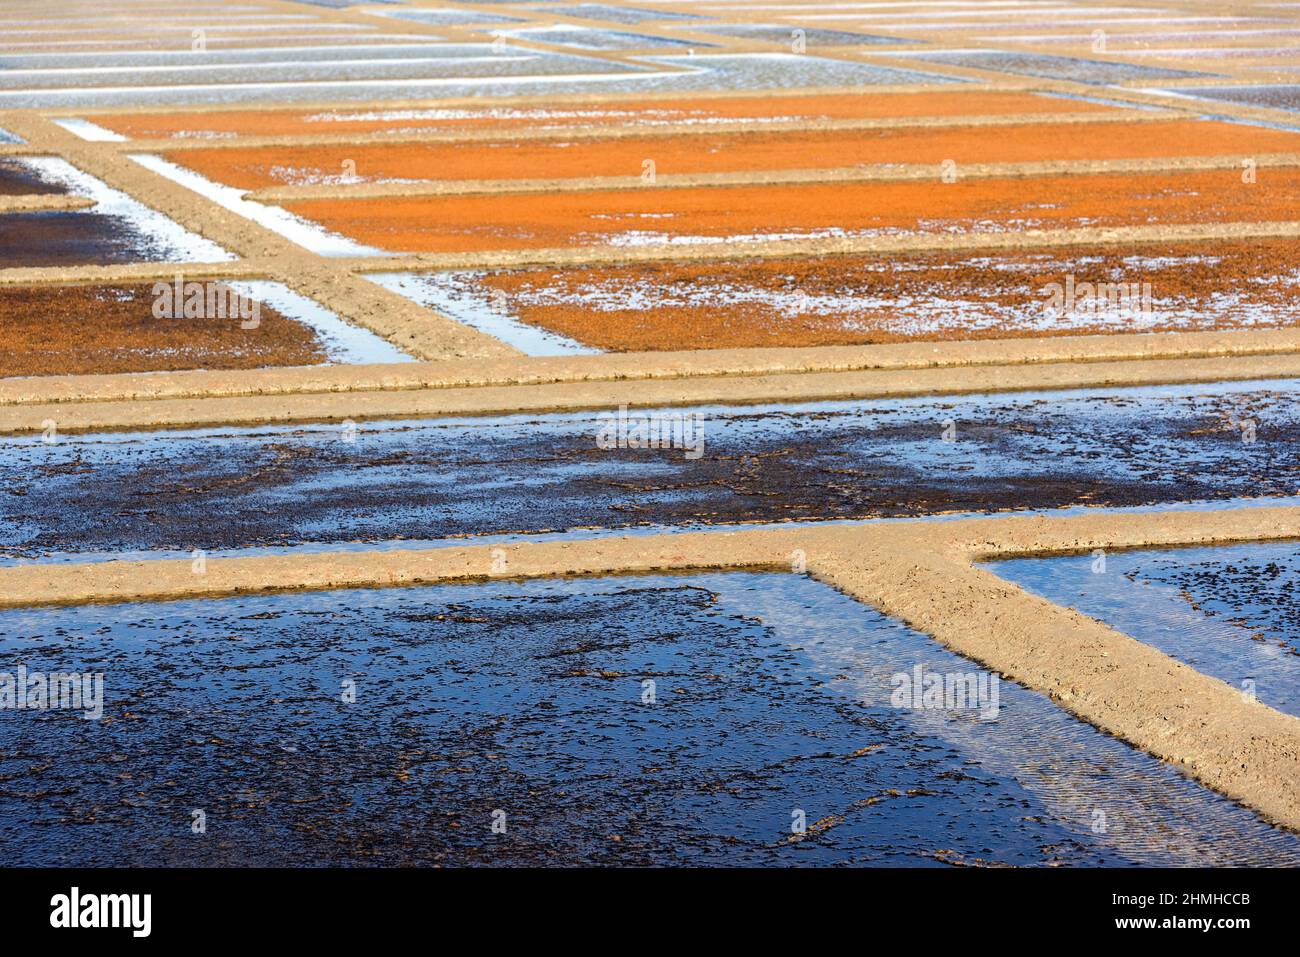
[
  {"x": 528, "y": 703},
  {"x": 1230, "y": 611}
]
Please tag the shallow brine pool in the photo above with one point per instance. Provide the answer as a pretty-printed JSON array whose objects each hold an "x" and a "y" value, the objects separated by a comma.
[
  {"x": 712, "y": 719},
  {"x": 1230, "y": 611},
  {"x": 377, "y": 482}
]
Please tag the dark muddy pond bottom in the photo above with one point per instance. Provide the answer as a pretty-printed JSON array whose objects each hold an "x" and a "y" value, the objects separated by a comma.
[
  {"x": 713, "y": 719},
  {"x": 1229, "y": 611},
  {"x": 117, "y": 229},
  {"x": 18, "y": 179},
  {"x": 385, "y": 481}
]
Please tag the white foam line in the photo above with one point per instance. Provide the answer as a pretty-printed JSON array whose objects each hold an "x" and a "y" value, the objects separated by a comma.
[
  {"x": 89, "y": 131},
  {"x": 262, "y": 65},
  {"x": 79, "y": 91},
  {"x": 294, "y": 228},
  {"x": 465, "y": 306},
  {"x": 177, "y": 242},
  {"x": 1181, "y": 96},
  {"x": 342, "y": 341}
]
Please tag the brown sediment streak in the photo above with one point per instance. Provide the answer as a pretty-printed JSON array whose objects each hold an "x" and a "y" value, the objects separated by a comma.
[
  {"x": 661, "y": 216},
  {"x": 921, "y": 573},
  {"x": 722, "y": 152},
  {"x": 577, "y": 396},
  {"x": 111, "y": 329},
  {"x": 345, "y": 119},
  {"x": 944, "y": 296}
]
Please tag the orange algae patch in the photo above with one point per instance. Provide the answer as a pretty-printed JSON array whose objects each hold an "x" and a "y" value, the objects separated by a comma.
[
  {"x": 727, "y": 152},
  {"x": 352, "y": 119},
  {"x": 852, "y": 300},
  {"x": 75, "y": 329},
  {"x": 662, "y": 215}
]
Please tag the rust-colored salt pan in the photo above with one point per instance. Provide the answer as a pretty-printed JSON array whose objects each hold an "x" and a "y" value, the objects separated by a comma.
[
  {"x": 344, "y": 121},
  {"x": 657, "y": 216},
  {"x": 861, "y": 299},
  {"x": 60, "y": 330},
  {"x": 727, "y": 152}
]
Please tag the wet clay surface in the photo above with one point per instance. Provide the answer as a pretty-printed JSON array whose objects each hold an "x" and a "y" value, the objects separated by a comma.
[
  {"x": 664, "y": 215},
  {"x": 384, "y": 481},
  {"x": 18, "y": 179},
  {"x": 75, "y": 239},
  {"x": 856, "y": 299},
  {"x": 1229, "y": 611},
  {"x": 61, "y": 330},
  {"x": 1255, "y": 586},
  {"x": 1281, "y": 96},
  {"x": 1095, "y": 72},
  {"x": 714, "y": 153},
  {"x": 621, "y": 113},
  {"x": 770, "y": 694}
]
